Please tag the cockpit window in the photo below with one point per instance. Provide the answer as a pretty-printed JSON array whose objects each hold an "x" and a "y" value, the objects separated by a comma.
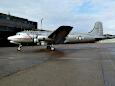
[{"x": 18, "y": 34}]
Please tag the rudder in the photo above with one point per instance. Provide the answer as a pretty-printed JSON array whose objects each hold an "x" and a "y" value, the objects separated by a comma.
[{"x": 98, "y": 29}]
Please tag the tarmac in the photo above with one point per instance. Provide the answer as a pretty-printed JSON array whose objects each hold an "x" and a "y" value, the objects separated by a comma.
[{"x": 69, "y": 65}]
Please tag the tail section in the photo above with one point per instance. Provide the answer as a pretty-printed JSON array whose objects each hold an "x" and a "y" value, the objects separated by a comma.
[
  {"x": 58, "y": 36},
  {"x": 98, "y": 29}
]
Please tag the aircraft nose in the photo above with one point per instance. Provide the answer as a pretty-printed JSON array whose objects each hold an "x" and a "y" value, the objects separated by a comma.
[{"x": 9, "y": 38}]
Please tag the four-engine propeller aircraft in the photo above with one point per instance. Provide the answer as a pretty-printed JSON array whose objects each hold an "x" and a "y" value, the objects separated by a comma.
[
  {"x": 45, "y": 38},
  {"x": 59, "y": 36}
]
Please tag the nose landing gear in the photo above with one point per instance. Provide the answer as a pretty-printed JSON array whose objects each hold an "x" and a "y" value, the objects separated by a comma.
[{"x": 19, "y": 47}]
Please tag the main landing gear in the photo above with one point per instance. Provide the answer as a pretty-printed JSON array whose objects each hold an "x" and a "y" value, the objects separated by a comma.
[{"x": 50, "y": 47}]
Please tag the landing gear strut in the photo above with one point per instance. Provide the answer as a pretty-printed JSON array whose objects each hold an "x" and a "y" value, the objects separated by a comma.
[
  {"x": 19, "y": 47},
  {"x": 50, "y": 47}
]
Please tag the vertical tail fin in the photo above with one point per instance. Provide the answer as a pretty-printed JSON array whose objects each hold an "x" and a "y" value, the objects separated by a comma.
[{"x": 98, "y": 29}]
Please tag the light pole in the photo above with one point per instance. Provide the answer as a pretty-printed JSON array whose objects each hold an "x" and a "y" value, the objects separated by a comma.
[{"x": 41, "y": 23}]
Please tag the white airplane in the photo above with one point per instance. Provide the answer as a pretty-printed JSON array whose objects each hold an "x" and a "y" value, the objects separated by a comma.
[
  {"x": 60, "y": 36},
  {"x": 43, "y": 37}
]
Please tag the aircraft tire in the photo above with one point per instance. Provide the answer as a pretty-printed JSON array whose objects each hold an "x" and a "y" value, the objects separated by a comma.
[
  {"x": 52, "y": 48},
  {"x": 18, "y": 49}
]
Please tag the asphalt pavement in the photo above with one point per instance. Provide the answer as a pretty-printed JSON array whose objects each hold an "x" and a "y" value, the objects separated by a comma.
[{"x": 69, "y": 65}]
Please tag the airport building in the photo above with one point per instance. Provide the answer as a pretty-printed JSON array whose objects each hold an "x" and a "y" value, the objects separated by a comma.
[{"x": 10, "y": 25}]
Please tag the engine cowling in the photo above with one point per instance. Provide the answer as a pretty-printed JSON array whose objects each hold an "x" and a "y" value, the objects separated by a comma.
[
  {"x": 43, "y": 43},
  {"x": 39, "y": 42}
]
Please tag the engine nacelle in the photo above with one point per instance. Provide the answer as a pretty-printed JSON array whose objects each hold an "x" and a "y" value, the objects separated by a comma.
[
  {"x": 43, "y": 43},
  {"x": 39, "y": 42}
]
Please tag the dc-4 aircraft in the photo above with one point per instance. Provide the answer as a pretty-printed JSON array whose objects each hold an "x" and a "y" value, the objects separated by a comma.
[
  {"x": 43, "y": 38},
  {"x": 59, "y": 36}
]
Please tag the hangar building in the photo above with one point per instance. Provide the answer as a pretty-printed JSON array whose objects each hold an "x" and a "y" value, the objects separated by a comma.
[{"x": 10, "y": 25}]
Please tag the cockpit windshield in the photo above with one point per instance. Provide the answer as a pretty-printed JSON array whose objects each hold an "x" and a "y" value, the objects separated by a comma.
[{"x": 20, "y": 33}]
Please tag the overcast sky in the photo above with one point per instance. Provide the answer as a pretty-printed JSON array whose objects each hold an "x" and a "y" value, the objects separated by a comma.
[{"x": 81, "y": 14}]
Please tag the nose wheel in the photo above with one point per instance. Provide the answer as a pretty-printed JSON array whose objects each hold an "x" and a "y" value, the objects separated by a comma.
[{"x": 19, "y": 47}]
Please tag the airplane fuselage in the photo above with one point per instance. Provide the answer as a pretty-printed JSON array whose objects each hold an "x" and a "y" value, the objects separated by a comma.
[
  {"x": 35, "y": 37},
  {"x": 80, "y": 38}
]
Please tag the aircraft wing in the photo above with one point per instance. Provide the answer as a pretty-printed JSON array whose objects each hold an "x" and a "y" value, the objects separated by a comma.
[{"x": 58, "y": 36}]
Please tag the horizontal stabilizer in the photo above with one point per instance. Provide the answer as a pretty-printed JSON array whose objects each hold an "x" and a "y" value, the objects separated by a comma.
[{"x": 59, "y": 35}]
